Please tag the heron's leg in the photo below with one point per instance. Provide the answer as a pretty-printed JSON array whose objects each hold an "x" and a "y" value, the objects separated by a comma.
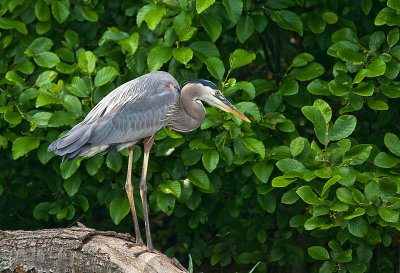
[
  {"x": 129, "y": 193},
  {"x": 147, "y": 143}
]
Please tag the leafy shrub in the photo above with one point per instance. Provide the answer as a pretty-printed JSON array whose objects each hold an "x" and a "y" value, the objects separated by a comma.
[{"x": 311, "y": 183}]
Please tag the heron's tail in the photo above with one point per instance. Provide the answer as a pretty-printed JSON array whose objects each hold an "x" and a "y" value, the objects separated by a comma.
[{"x": 72, "y": 144}]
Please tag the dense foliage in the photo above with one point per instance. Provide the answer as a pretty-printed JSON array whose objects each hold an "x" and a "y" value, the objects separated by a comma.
[{"x": 311, "y": 184}]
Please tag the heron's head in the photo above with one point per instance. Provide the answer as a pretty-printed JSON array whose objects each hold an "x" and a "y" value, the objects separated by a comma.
[{"x": 207, "y": 91}]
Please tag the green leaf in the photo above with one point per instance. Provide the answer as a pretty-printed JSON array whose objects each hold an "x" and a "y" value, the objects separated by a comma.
[
  {"x": 166, "y": 202},
  {"x": 240, "y": 57},
  {"x": 391, "y": 91},
  {"x": 210, "y": 160},
  {"x": 12, "y": 117},
  {"x": 289, "y": 197},
  {"x": 281, "y": 182},
  {"x": 378, "y": 105},
  {"x": 316, "y": 24},
  {"x": 68, "y": 168},
  {"x": 342, "y": 128},
  {"x": 318, "y": 253},
  {"x": 26, "y": 67},
  {"x": 114, "y": 161},
  {"x": 330, "y": 183},
  {"x": 393, "y": 37},
  {"x": 216, "y": 67},
  {"x": 6, "y": 23},
  {"x": 72, "y": 38},
  {"x": 46, "y": 77},
  {"x": 171, "y": 187},
  {"x": 199, "y": 178},
  {"x": 22, "y": 145},
  {"x": 315, "y": 116},
  {"x": 93, "y": 164},
  {"x": 119, "y": 208},
  {"x": 394, "y": 4},
  {"x": 87, "y": 61},
  {"x": 364, "y": 89},
  {"x": 182, "y": 54},
  {"x": 297, "y": 145},
  {"x": 376, "y": 68},
  {"x": 358, "y": 227},
  {"x": 351, "y": 55},
  {"x": 254, "y": 145},
  {"x": 358, "y": 154},
  {"x": 212, "y": 26},
  {"x": 61, "y": 118},
  {"x": 308, "y": 72},
  {"x": 263, "y": 170},
  {"x": 288, "y": 20},
  {"x": 306, "y": 193},
  {"x": 60, "y": 10},
  {"x": 43, "y": 155},
  {"x": 105, "y": 75},
  {"x": 249, "y": 108},
  {"x": 13, "y": 76},
  {"x": 244, "y": 28},
  {"x": 154, "y": 15},
  {"x": 89, "y": 14},
  {"x": 234, "y": 9},
  {"x": 130, "y": 44},
  {"x": 202, "y": 5},
  {"x": 42, "y": 11},
  {"x": 41, "y": 44},
  {"x": 81, "y": 201},
  {"x": 384, "y": 160},
  {"x": 289, "y": 86},
  {"x": 158, "y": 56},
  {"x": 345, "y": 195},
  {"x": 267, "y": 202},
  {"x": 377, "y": 38},
  {"x": 392, "y": 142},
  {"x": 73, "y": 104},
  {"x": 366, "y": 6},
  {"x": 79, "y": 87},
  {"x": 40, "y": 212},
  {"x": 329, "y": 17},
  {"x": 319, "y": 87},
  {"x": 46, "y": 59},
  {"x": 204, "y": 49},
  {"x": 72, "y": 184},
  {"x": 389, "y": 215},
  {"x": 260, "y": 22}
]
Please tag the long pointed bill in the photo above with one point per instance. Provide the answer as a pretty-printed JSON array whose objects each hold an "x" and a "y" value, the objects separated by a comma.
[{"x": 224, "y": 104}]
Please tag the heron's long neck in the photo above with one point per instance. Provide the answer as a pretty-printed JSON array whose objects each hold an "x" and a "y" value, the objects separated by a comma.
[{"x": 189, "y": 114}]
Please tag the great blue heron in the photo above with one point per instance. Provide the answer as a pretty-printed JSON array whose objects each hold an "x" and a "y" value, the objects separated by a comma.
[{"x": 136, "y": 111}]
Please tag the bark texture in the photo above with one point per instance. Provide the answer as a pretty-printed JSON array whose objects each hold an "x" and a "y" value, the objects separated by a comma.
[{"x": 79, "y": 249}]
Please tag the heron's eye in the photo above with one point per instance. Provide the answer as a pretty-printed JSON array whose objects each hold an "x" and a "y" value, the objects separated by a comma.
[{"x": 217, "y": 93}]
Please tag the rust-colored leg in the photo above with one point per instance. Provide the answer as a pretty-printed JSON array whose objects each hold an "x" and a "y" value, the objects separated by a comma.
[
  {"x": 147, "y": 143},
  {"x": 129, "y": 193}
]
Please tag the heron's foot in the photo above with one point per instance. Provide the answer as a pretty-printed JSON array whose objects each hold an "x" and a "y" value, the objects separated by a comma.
[
  {"x": 130, "y": 245},
  {"x": 153, "y": 250}
]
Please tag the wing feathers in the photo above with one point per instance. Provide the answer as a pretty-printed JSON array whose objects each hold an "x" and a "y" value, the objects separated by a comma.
[{"x": 134, "y": 110}]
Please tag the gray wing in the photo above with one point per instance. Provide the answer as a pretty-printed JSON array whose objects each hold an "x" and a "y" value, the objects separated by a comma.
[{"x": 134, "y": 110}]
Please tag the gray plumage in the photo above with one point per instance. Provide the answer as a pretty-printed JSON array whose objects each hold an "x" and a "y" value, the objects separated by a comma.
[{"x": 135, "y": 110}]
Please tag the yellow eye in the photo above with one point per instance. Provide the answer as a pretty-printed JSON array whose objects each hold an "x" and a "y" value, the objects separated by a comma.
[{"x": 217, "y": 93}]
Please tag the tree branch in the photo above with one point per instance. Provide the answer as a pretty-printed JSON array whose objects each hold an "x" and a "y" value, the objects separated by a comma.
[{"x": 79, "y": 249}]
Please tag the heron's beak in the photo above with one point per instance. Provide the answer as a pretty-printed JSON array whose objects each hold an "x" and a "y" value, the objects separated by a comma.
[{"x": 225, "y": 105}]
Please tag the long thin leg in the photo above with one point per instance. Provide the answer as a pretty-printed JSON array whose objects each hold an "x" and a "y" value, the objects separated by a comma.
[
  {"x": 147, "y": 143},
  {"x": 129, "y": 193}
]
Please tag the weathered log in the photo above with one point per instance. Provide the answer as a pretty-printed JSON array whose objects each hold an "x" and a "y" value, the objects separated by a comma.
[{"x": 79, "y": 249}]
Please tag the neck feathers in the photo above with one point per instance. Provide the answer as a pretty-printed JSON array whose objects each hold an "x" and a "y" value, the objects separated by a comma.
[{"x": 188, "y": 114}]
